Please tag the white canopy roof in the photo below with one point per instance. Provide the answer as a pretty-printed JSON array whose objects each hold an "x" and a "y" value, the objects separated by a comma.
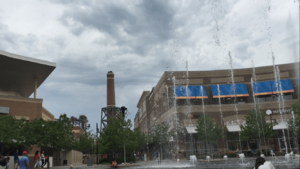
[
  {"x": 191, "y": 129},
  {"x": 233, "y": 128},
  {"x": 280, "y": 126}
]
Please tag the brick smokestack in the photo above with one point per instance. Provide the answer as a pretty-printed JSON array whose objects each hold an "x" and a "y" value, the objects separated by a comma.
[{"x": 111, "y": 102}]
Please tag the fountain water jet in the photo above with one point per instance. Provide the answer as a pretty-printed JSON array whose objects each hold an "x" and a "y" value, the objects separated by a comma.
[
  {"x": 233, "y": 88},
  {"x": 220, "y": 108}
]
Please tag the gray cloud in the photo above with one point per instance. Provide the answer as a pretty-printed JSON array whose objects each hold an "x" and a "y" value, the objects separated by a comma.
[{"x": 138, "y": 40}]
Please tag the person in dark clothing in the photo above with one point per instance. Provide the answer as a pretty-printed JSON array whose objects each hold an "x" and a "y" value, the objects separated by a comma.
[
  {"x": 16, "y": 159},
  {"x": 3, "y": 161},
  {"x": 259, "y": 161}
]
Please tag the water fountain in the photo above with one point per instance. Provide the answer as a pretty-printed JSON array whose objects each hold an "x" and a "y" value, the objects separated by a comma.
[
  {"x": 221, "y": 114},
  {"x": 175, "y": 116},
  {"x": 193, "y": 158},
  {"x": 203, "y": 110},
  {"x": 234, "y": 91}
]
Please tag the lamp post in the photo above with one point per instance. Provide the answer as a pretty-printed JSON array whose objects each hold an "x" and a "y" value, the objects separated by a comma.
[
  {"x": 97, "y": 142},
  {"x": 269, "y": 112},
  {"x": 147, "y": 151}
]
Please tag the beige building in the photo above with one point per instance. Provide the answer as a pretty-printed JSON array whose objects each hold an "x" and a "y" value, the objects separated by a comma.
[{"x": 157, "y": 106}]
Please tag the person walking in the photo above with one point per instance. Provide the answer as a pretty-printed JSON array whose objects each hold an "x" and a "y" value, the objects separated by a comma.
[
  {"x": 37, "y": 159},
  {"x": 24, "y": 161},
  {"x": 42, "y": 159},
  {"x": 46, "y": 159},
  {"x": 16, "y": 159},
  {"x": 7, "y": 165}
]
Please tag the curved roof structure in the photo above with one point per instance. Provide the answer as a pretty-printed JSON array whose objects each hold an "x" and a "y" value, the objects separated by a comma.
[{"x": 18, "y": 73}]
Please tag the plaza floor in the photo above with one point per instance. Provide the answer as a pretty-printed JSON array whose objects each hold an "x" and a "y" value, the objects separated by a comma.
[{"x": 232, "y": 163}]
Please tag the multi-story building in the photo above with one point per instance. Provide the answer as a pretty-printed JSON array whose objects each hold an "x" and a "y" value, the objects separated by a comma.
[{"x": 169, "y": 103}]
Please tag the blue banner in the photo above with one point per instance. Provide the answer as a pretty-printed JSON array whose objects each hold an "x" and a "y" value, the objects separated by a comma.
[
  {"x": 190, "y": 92},
  {"x": 269, "y": 87},
  {"x": 227, "y": 90}
]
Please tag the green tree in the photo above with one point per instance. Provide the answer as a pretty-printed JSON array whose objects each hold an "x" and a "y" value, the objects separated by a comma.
[
  {"x": 256, "y": 126},
  {"x": 86, "y": 143},
  {"x": 55, "y": 134},
  {"x": 10, "y": 132},
  {"x": 294, "y": 122},
  {"x": 118, "y": 137},
  {"x": 160, "y": 136},
  {"x": 208, "y": 130}
]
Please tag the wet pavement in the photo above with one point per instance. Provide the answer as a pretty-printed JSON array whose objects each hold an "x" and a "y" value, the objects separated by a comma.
[{"x": 232, "y": 163}]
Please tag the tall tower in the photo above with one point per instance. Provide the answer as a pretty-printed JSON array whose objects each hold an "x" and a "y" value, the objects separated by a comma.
[
  {"x": 110, "y": 110},
  {"x": 111, "y": 102}
]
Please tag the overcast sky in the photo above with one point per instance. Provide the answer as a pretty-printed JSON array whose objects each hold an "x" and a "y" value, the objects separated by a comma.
[{"x": 140, "y": 39}]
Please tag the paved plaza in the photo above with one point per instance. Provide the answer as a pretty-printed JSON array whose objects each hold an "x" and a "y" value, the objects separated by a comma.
[{"x": 232, "y": 163}]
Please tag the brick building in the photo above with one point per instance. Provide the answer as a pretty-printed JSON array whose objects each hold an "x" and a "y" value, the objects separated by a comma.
[
  {"x": 157, "y": 106},
  {"x": 20, "y": 78}
]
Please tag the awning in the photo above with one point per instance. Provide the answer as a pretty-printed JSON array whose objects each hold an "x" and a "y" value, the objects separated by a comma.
[
  {"x": 227, "y": 90},
  {"x": 190, "y": 92},
  {"x": 191, "y": 129},
  {"x": 280, "y": 126},
  {"x": 269, "y": 87},
  {"x": 233, "y": 128}
]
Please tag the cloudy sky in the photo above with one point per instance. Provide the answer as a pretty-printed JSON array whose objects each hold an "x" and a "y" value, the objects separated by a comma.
[{"x": 140, "y": 39}]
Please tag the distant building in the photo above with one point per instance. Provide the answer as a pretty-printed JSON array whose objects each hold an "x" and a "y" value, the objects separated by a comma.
[{"x": 157, "y": 106}]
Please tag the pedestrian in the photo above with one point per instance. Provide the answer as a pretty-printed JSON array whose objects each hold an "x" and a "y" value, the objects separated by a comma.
[
  {"x": 7, "y": 165},
  {"x": 16, "y": 159},
  {"x": 42, "y": 159},
  {"x": 71, "y": 166},
  {"x": 46, "y": 159},
  {"x": 3, "y": 161},
  {"x": 24, "y": 161},
  {"x": 156, "y": 155},
  {"x": 37, "y": 159},
  {"x": 261, "y": 163},
  {"x": 145, "y": 157},
  {"x": 114, "y": 163}
]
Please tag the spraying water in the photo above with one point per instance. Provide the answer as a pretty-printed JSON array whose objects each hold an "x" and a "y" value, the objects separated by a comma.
[
  {"x": 221, "y": 113},
  {"x": 295, "y": 132},
  {"x": 203, "y": 110},
  {"x": 234, "y": 91},
  {"x": 256, "y": 103},
  {"x": 277, "y": 80},
  {"x": 167, "y": 90},
  {"x": 175, "y": 114},
  {"x": 255, "y": 107}
]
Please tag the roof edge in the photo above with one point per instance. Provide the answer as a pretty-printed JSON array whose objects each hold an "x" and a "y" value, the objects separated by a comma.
[{"x": 28, "y": 59}]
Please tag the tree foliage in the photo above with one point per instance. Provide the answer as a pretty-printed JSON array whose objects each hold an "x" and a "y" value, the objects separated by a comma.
[
  {"x": 256, "y": 126},
  {"x": 294, "y": 123},
  {"x": 208, "y": 130},
  {"x": 54, "y": 134},
  {"x": 86, "y": 143},
  {"x": 118, "y": 131},
  {"x": 160, "y": 135}
]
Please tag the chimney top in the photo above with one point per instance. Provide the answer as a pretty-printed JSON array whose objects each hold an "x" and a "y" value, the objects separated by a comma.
[{"x": 110, "y": 72}]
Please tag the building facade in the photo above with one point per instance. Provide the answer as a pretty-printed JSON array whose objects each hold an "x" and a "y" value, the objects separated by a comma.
[{"x": 179, "y": 96}]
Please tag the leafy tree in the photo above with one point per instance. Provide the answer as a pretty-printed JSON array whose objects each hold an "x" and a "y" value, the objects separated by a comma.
[
  {"x": 10, "y": 132},
  {"x": 86, "y": 142},
  {"x": 117, "y": 135},
  {"x": 294, "y": 122},
  {"x": 256, "y": 126},
  {"x": 160, "y": 136},
  {"x": 50, "y": 134},
  {"x": 208, "y": 130}
]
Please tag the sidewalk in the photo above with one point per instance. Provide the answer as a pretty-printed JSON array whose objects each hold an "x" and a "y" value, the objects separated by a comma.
[{"x": 83, "y": 166}]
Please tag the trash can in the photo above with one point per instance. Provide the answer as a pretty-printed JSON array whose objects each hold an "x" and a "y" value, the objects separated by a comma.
[{"x": 90, "y": 161}]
